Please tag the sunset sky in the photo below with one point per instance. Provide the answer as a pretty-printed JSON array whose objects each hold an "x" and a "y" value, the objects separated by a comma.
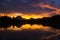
[
  {"x": 29, "y": 9},
  {"x": 40, "y": 7}
]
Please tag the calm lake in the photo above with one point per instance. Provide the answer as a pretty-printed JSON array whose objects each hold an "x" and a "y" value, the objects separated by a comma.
[{"x": 29, "y": 32}]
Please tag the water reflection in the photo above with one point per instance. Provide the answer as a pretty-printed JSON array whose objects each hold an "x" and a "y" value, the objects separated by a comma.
[
  {"x": 29, "y": 27},
  {"x": 31, "y": 31}
]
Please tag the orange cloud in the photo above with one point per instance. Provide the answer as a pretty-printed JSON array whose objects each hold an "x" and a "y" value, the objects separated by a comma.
[{"x": 56, "y": 10}]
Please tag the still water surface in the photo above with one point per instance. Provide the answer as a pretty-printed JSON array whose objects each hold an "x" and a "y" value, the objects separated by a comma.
[
  {"x": 28, "y": 26},
  {"x": 30, "y": 32}
]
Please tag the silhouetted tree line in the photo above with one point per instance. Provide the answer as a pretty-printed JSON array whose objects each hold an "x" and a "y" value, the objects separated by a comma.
[
  {"x": 6, "y": 21},
  {"x": 52, "y": 21}
]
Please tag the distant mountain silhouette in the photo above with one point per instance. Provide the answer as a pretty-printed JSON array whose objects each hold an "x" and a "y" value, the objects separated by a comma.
[{"x": 53, "y": 21}]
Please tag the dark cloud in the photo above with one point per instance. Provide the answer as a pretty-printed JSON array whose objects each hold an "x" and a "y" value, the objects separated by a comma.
[
  {"x": 25, "y": 5},
  {"x": 16, "y": 5}
]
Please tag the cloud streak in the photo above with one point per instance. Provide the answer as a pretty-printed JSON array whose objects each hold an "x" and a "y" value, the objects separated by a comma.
[{"x": 56, "y": 10}]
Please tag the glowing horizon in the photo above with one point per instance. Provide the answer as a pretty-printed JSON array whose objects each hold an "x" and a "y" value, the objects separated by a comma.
[
  {"x": 26, "y": 16},
  {"x": 56, "y": 11}
]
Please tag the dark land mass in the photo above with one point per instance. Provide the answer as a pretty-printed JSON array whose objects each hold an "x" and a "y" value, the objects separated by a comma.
[{"x": 53, "y": 21}]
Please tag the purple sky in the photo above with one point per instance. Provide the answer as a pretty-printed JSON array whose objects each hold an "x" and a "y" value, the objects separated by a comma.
[{"x": 25, "y": 6}]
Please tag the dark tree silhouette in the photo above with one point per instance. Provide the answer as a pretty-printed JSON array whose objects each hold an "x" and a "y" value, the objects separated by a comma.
[
  {"x": 52, "y": 21},
  {"x": 5, "y": 21},
  {"x": 18, "y": 21}
]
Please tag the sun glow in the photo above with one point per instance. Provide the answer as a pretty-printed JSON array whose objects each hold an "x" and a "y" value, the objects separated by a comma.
[{"x": 26, "y": 16}]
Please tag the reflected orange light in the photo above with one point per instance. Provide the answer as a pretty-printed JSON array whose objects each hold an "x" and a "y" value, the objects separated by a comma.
[
  {"x": 32, "y": 27},
  {"x": 28, "y": 26},
  {"x": 13, "y": 28},
  {"x": 35, "y": 26}
]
